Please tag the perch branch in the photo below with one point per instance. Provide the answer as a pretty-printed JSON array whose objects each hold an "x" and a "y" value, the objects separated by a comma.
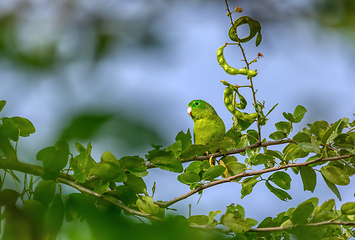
[{"x": 247, "y": 174}]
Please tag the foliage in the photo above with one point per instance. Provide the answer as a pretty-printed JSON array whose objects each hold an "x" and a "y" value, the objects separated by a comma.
[{"x": 111, "y": 191}]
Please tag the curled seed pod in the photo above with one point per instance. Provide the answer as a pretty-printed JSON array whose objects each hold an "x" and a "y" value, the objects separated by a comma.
[
  {"x": 233, "y": 106},
  {"x": 230, "y": 70},
  {"x": 254, "y": 30},
  {"x": 230, "y": 99}
]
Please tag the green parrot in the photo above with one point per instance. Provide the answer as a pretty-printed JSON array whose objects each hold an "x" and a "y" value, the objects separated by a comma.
[{"x": 207, "y": 124}]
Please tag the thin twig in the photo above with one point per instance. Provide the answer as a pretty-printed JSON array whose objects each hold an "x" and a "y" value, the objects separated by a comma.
[
  {"x": 247, "y": 67},
  {"x": 329, "y": 222},
  {"x": 230, "y": 152},
  {"x": 248, "y": 174},
  {"x": 103, "y": 197},
  {"x": 274, "y": 229}
]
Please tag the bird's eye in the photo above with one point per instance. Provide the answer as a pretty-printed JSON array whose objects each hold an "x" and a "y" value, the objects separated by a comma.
[{"x": 197, "y": 103}]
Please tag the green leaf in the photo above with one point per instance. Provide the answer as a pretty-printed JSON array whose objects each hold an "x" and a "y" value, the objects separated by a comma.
[
  {"x": 253, "y": 136},
  {"x": 185, "y": 139},
  {"x": 82, "y": 163},
  {"x": 213, "y": 172},
  {"x": 318, "y": 128},
  {"x": 235, "y": 135},
  {"x": 226, "y": 144},
  {"x": 135, "y": 165},
  {"x": 2, "y": 104},
  {"x": 328, "y": 205},
  {"x": 135, "y": 183},
  {"x": 198, "y": 220},
  {"x": 80, "y": 206},
  {"x": 300, "y": 153},
  {"x": 262, "y": 159},
  {"x": 211, "y": 216},
  {"x": 54, "y": 217},
  {"x": 101, "y": 186},
  {"x": 335, "y": 175},
  {"x": 8, "y": 196},
  {"x": 281, "y": 194},
  {"x": 266, "y": 222},
  {"x": 348, "y": 208},
  {"x": 302, "y": 213},
  {"x": 344, "y": 141},
  {"x": 45, "y": 191},
  {"x": 332, "y": 187},
  {"x": 175, "y": 148},
  {"x": 193, "y": 151},
  {"x": 248, "y": 185},
  {"x": 235, "y": 168},
  {"x": 125, "y": 194},
  {"x": 110, "y": 158},
  {"x": 289, "y": 150},
  {"x": 146, "y": 204},
  {"x": 251, "y": 222},
  {"x": 285, "y": 127},
  {"x": 24, "y": 126},
  {"x": 7, "y": 147},
  {"x": 193, "y": 167},
  {"x": 274, "y": 153},
  {"x": 278, "y": 135},
  {"x": 313, "y": 200},
  {"x": 237, "y": 210},
  {"x": 305, "y": 146},
  {"x": 217, "y": 145},
  {"x": 302, "y": 137},
  {"x": 244, "y": 123},
  {"x": 165, "y": 160},
  {"x": 108, "y": 171},
  {"x": 189, "y": 177},
  {"x": 205, "y": 165},
  {"x": 10, "y": 129},
  {"x": 35, "y": 209},
  {"x": 235, "y": 224},
  {"x": 45, "y": 153},
  {"x": 54, "y": 159},
  {"x": 288, "y": 116},
  {"x": 299, "y": 113},
  {"x": 309, "y": 178},
  {"x": 332, "y": 132},
  {"x": 281, "y": 179},
  {"x": 315, "y": 145},
  {"x": 131, "y": 162},
  {"x": 228, "y": 159}
]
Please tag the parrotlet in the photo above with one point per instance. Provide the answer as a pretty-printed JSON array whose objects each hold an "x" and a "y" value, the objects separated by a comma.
[{"x": 207, "y": 123}]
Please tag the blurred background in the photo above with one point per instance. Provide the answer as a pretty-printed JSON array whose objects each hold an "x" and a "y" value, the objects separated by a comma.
[{"x": 121, "y": 73}]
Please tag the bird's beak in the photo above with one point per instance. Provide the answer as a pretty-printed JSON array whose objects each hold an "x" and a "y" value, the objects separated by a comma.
[{"x": 189, "y": 111}]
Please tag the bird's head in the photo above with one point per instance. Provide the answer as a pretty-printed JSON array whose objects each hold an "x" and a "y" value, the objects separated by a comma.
[{"x": 199, "y": 109}]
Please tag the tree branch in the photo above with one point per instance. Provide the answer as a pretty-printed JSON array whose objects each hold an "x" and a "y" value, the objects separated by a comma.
[
  {"x": 113, "y": 202},
  {"x": 230, "y": 152},
  {"x": 274, "y": 229},
  {"x": 329, "y": 222},
  {"x": 21, "y": 167},
  {"x": 67, "y": 179},
  {"x": 247, "y": 174}
]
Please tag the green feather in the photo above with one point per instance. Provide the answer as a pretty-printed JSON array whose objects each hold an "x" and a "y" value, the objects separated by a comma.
[{"x": 207, "y": 124}]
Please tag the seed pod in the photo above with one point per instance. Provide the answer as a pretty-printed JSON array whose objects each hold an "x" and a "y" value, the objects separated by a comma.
[
  {"x": 230, "y": 70},
  {"x": 233, "y": 106}
]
